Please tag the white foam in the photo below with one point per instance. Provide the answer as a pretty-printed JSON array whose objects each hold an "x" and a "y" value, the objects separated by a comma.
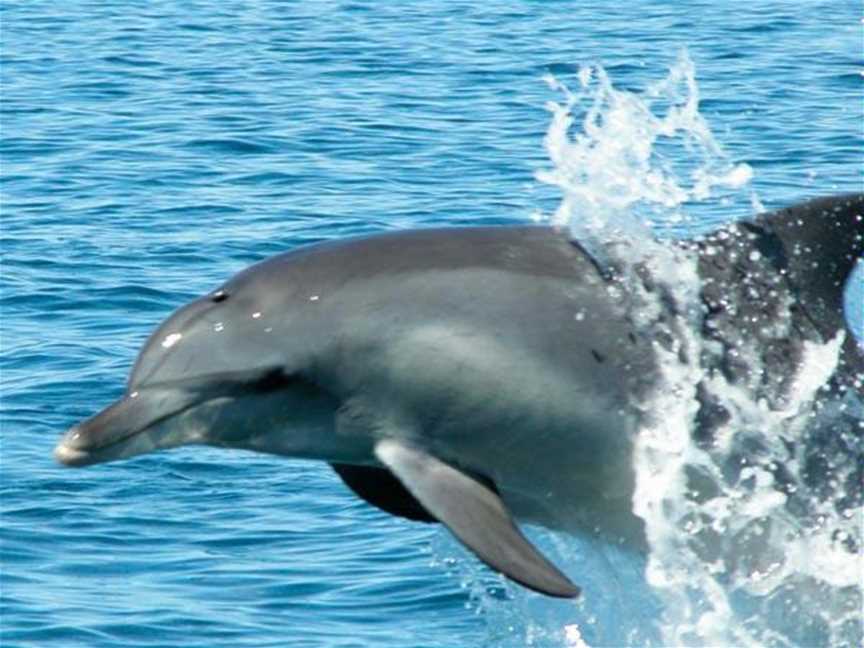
[
  {"x": 732, "y": 562},
  {"x": 637, "y": 158}
]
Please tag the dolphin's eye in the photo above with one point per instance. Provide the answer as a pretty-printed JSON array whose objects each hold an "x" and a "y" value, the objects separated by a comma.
[
  {"x": 273, "y": 380},
  {"x": 219, "y": 296}
]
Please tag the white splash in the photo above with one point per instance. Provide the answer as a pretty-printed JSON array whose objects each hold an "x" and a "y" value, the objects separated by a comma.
[
  {"x": 638, "y": 157},
  {"x": 732, "y": 561}
]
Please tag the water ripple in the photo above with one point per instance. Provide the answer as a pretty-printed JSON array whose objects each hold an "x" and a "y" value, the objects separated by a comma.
[{"x": 150, "y": 150}]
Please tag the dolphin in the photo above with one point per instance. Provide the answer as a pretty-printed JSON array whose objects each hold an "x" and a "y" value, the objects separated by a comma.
[{"x": 479, "y": 376}]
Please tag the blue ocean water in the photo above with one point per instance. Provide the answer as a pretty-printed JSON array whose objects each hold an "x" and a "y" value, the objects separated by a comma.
[{"x": 150, "y": 149}]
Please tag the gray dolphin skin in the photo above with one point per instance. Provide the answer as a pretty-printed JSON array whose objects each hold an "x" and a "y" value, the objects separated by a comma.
[{"x": 476, "y": 376}]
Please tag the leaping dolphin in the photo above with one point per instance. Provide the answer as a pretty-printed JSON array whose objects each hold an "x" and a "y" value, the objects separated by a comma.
[{"x": 473, "y": 376}]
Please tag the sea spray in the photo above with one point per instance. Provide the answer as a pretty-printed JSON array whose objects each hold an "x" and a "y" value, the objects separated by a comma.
[
  {"x": 636, "y": 159},
  {"x": 732, "y": 525},
  {"x": 748, "y": 545}
]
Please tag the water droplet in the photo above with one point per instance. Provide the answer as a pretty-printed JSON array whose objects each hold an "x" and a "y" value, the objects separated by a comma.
[
  {"x": 219, "y": 327},
  {"x": 314, "y": 298},
  {"x": 256, "y": 315}
]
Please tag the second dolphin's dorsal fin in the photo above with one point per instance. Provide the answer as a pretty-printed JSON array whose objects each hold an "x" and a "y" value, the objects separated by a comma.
[
  {"x": 823, "y": 239},
  {"x": 475, "y": 515}
]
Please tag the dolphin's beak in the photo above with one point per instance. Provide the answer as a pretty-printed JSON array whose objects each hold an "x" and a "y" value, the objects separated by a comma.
[
  {"x": 67, "y": 454},
  {"x": 123, "y": 429}
]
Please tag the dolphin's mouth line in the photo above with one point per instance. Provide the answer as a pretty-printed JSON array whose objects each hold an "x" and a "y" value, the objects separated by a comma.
[
  {"x": 112, "y": 442},
  {"x": 237, "y": 383},
  {"x": 146, "y": 427}
]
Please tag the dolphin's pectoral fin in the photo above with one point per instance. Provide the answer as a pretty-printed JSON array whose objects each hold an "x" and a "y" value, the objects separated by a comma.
[
  {"x": 475, "y": 515},
  {"x": 381, "y": 489}
]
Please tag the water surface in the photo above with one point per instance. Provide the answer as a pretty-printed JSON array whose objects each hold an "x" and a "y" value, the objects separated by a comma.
[{"x": 151, "y": 149}]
